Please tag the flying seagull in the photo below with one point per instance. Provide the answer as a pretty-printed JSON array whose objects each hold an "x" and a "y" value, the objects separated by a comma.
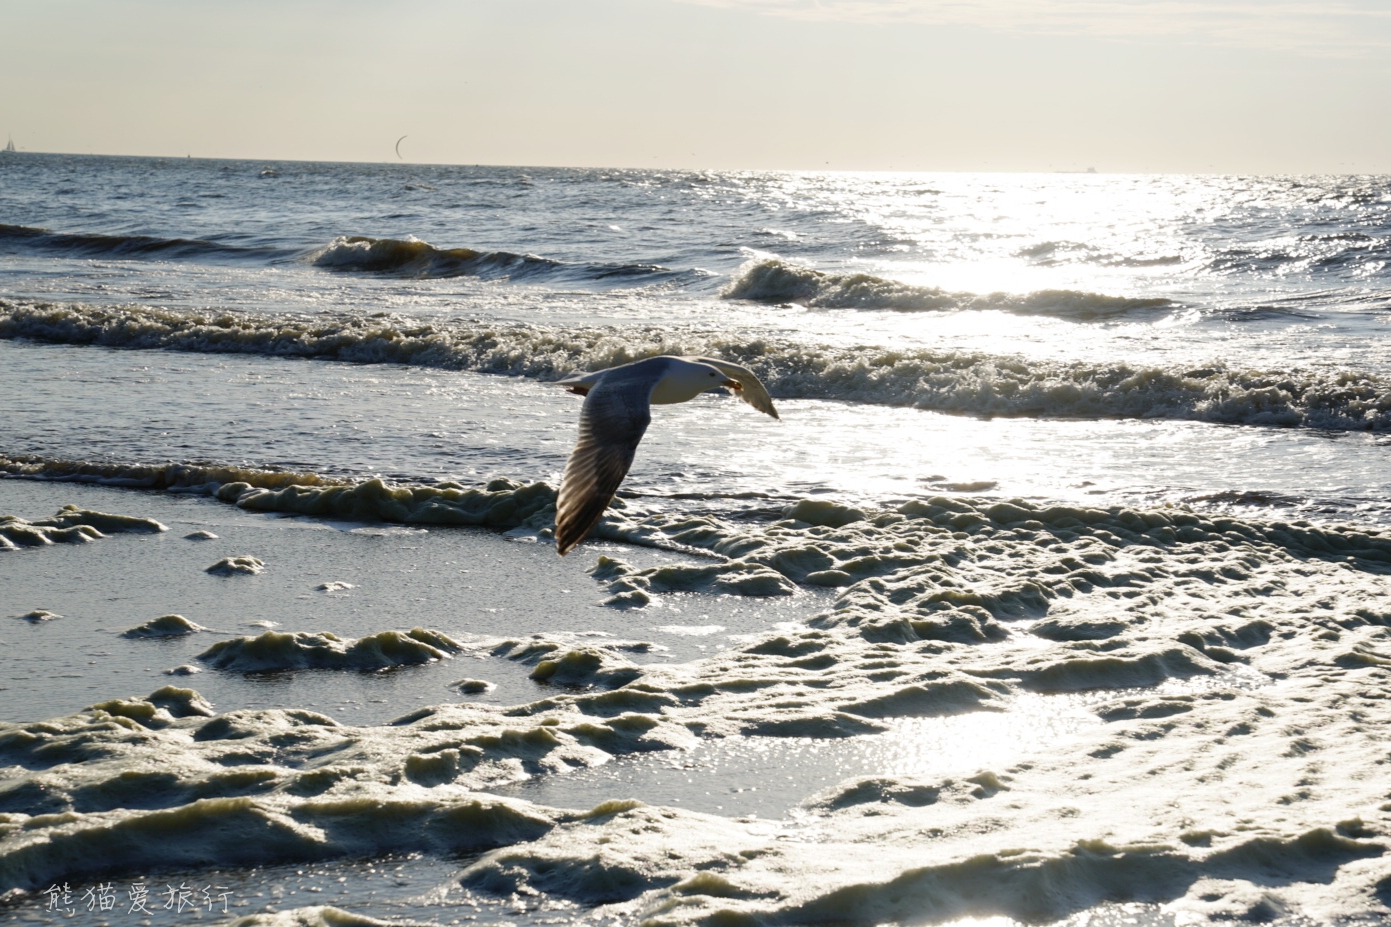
[{"x": 614, "y": 417}]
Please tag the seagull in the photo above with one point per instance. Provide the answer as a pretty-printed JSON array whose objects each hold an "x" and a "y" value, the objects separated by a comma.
[{"x": 615, "y": 415}]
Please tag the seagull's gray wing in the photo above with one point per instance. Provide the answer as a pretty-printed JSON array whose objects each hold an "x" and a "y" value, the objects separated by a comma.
[
  {"x": 581, "y": 383},
  {"x": 614, "y": 417},
  {"x": 751, "y": 388}
]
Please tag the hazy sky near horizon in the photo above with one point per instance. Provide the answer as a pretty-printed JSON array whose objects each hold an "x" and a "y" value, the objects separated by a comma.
[{"x": 1231, "y": 86}]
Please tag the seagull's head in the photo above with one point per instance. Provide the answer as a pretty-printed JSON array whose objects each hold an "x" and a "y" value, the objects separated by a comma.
[
  {"x": 713, "y": 377},
  {"x": 687, "y": 379}
]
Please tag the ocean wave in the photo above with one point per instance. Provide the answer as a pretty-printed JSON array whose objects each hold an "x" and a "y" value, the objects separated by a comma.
[
  {"x": 415, "y": 258},
  {"x": 1266, "y": 314},
  {"x": 403, "y": 257},
  {"x": 410, "y": 257},
  {"x": 777, "y": 281},
  {"x": 958, "y": 382},
  {"x": 1050, "y": 253},
  {"x": 94, "y": 245},
  {"x": 1354, "y": 254}
]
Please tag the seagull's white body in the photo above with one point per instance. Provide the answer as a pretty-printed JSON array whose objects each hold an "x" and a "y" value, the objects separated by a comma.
[{"x": 614, "y": 418}]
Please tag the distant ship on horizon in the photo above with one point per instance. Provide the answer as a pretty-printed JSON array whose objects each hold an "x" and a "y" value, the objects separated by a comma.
[{"x": 10, "y": 146}]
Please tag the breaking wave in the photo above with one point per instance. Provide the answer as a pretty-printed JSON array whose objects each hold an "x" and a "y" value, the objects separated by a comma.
[
  {"x": 959, "y": 382},
  {"x": 776, "y": 281},
  {"x": 414, "y": 258},
  {"x": 411, "y": 257}
]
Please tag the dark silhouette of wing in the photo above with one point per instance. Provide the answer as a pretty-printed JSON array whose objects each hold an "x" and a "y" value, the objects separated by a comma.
[{"x": 614, "y": 418}]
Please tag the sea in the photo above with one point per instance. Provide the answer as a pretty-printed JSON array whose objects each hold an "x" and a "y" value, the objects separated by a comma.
[{"x": 1056, "y": 594}]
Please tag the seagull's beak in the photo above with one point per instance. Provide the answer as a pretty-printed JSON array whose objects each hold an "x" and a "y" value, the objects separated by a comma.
[{"x": 733, "y": 384}]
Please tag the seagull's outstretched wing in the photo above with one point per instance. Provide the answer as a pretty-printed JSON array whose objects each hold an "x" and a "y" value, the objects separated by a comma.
[
  {"x": 581, "y": 383},
  {"x": 614, "y": 417},
  {"x": 751, "y": 388}
]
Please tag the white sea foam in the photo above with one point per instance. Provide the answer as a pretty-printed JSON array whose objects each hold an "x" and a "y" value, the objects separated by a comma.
[
  {"x": 952, "y": 381},
  {"x": 635, "y": 587},
  {"x": 782, "y": 549},
  {"x": 315, "y": 916},
  {"x": 501, "y": 503},
  {"x": 778, "y": 281},
  {"x": 276, "y": 651},
  {"x": 70, "y": 525},
  {"x": 165, "y": 626},
  {"x": 238, "y": 566},
  {"x": 1175, "y": 625}
]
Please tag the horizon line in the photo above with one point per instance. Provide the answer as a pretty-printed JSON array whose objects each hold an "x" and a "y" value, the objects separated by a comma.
[{"x": 1085, "y": 171}]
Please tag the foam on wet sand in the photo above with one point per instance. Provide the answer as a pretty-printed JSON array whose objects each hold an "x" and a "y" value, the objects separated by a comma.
[
  {"x": 244, "y": 565},
  {"x": 70, "y": 525},
  {"x": 1234, "y": 669},
  {"x": 273, "y": 651},
  {"x": 165, "y": 626}
]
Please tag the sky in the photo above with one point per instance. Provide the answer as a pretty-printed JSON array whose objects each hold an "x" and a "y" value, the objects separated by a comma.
[{"x": 1226, "y": 86}]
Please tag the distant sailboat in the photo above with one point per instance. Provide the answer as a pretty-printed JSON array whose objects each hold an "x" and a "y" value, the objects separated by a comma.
[{"x": 10, "y": 146}]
